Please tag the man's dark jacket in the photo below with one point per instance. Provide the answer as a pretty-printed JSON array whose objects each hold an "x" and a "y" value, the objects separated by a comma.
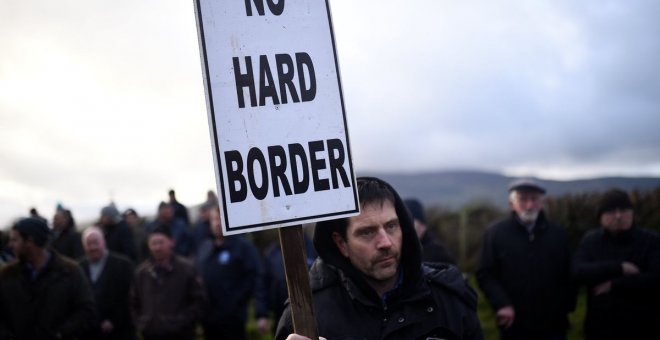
[
  {"x": 119, "y": 239},
  {"x": 68, "y": 243},
  {"x": 428, "y": 302},
  {"x": 112, "y": 297},
  {"x": 631, "y": 309},
  {"x": 230, "y": 273},
  {"x": 167, "y": 302},
  {"x": 58, "y": 304},
  {"x": 530, "y": 272},
  {"x": 272, "y": 292}
]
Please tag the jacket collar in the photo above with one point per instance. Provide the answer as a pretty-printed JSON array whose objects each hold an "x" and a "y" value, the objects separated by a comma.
[
  {"x": 323, "y": 275},
  {"x": 619, "y": 237}
]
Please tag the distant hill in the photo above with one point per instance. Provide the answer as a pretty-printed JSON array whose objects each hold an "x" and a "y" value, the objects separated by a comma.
[{"x": 453, "y": 189}]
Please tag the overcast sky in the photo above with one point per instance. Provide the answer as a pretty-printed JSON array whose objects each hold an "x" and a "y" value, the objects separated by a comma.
[{"x": 103, "y": 100}]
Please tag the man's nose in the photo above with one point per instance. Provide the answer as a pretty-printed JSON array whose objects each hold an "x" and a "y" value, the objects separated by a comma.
[
  {"x": 528, "y": 204},
  {"x": 384, "y": 241}
]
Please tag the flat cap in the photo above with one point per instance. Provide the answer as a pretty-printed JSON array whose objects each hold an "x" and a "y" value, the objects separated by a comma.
[{"x": 526, "y": 184}]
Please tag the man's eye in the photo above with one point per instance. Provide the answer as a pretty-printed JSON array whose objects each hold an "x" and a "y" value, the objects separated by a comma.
[
  {"x": 392, "y": 225},
  {"x": 365, "y": 232}
]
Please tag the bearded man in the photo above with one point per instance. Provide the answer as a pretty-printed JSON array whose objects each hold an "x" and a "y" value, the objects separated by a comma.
[{"x": 525, "y": 269}]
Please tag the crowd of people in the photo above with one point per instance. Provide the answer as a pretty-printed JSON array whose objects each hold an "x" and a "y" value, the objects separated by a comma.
[
  {"x": 531, "y": 277},
  {"x": 379, "y": 275},
  {"x": 125, "y": 277}
]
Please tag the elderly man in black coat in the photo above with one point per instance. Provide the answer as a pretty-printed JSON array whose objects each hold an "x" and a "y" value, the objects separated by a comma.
[
  {"x": 110, "y": 276},
  {"x": 525, "y": 269}
]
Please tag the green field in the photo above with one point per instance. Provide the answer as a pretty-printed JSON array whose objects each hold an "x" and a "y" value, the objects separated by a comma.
[{"x": 487, "y": 316}]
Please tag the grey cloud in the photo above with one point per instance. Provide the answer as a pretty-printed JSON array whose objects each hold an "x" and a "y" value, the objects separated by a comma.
[
  {"x": 585, "y": 89},
  {"x": 428, "y": 84}
]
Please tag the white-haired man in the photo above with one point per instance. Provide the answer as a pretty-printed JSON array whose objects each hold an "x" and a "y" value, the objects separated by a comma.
[
  {"x": 110, "y": 275},
  {"x": 525, "y": 269}
]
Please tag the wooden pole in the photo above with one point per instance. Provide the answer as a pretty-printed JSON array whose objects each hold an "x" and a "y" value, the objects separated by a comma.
[{"x": 297, "y": 281}]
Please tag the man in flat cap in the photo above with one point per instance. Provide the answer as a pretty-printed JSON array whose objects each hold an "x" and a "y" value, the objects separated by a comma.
[
  {"x": 43, "y": 295},
  {"x": 168, "y": 297},
  {"x": 525, "y": 269},
  {"x": 619, "y": 262}
]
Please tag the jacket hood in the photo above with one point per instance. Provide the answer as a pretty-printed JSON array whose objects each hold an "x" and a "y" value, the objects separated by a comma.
[
  {"x": 411, "y": 258},
  {"x": 451, "y": 278}
]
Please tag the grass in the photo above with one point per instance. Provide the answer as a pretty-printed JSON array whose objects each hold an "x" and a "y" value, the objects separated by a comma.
[{"x": 489, "y": 327}]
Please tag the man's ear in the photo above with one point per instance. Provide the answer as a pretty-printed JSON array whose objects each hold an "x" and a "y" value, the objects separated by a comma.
[{"x": 340, "y": 243}]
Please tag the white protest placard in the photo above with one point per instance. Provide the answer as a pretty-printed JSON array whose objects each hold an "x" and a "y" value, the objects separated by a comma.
[{"x": 276, "y": 113}]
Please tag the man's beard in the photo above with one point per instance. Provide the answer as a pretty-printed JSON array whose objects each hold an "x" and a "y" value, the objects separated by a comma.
[{"x": 528, "y": 216}]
